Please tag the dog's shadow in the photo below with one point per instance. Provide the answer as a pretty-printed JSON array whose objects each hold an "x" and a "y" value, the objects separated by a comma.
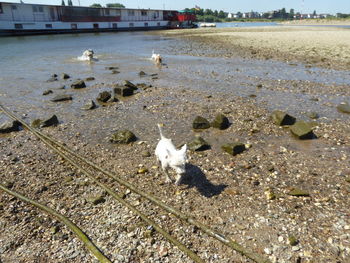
[{"x": 194, "y": 177}]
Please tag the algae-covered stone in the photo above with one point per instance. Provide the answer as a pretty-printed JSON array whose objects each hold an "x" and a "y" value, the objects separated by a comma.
[
  {"x": 130, "y": 85},
  {"x": 344, "y": 107},
  {"x": 281, "y": 118},
  {"x": 123, "y": 136},
  {"x": 302, "y": 130},
  {"x": 104, "y": 96},
  {"x": 146, "y": 154},
  {"x": 54, "y": 229},
  {"x": 36, "y": 123},
  {"x": 65, "y": 76},
  {"x": 62, "y": 97},
  {"x": 298, "y": 192},
  {"x": 78, "y": 84},
  {"x": 312, "y": 115},
  {"x": 233, "y": 148},
  {"x": 200, "y": 123},
  {"x": 292, "y": 240},
  {"x": 221, "y": 122},
  {"x": 52, "y": 121},
  {"x": 9, "y": 126},
  {"x": 198, "y": 144},
  {"x": 123, "y": 91},
  {"x": 89, "y": 105},
  {"x": 95, "y": 200}
]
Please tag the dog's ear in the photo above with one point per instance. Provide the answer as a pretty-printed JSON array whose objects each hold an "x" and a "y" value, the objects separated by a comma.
[{"x": 184, "y": 148}]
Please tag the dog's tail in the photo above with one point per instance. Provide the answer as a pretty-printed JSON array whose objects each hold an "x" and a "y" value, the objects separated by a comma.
[{"x": 160, "y": 130}]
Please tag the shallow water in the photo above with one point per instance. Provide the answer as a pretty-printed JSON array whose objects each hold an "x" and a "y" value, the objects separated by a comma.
[{"x": 27, "y": 62}]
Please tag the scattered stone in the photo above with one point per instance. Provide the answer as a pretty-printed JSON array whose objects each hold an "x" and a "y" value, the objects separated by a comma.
[
  {"x": 65, "y": 76},
  {"x": 142, "y": 170},
  {"x": 113, "y": 98},
  {"x": 52, "y": 78},
  {"x": 233, "y": 148},
  {"x": 312, "y": 115},
  {"x": 61, "y": 87},
  {"x": 95, "y": 200},
  {"x": 221, "y": 122},
  {"x": 54, "y": 229},
  {"x": 9, "y": 126},
  {"x": 281, "y": 118},
  {"x": 62, "y": 97},
  {"x": 130, "y": 85},
  {"x": 198, "y": 144},
  {"x": 123, "y": 136},
  {"x": 111, "y": 68},
  {"x": 52, "y": 121},
  {"x": 200, "y": 123},
  {"x": 9, "y": 184},
  {"x": 163, "y": 251},
  {"x": 115, "y": 72},
  {"x": 344, "y": 107},
  {"x": 270, "y": 195},
  {"x": 47, "y": 92},
  {"x": 302, "y": 130},
  {"x": 89, "y": 105},
  {"x": 298, "y": 192},
  {"x": 36, "y": 123},
  {"x": 78, "y": 84},
  {"x": 142, "y": 73},
  {"x": 123, "y": 91},
  {"x": 146, "y": 154},
  {"x": 104, "y": 96},
  {"x": 292, "y": 240},
  {"x": 267, "y": 251},
  {"x": 89, "y": 79},
  {"x": 259, "y": 86}
]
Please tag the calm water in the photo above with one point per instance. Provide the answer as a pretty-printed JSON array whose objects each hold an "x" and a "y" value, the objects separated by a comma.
[{"x": 27, "y": 62}]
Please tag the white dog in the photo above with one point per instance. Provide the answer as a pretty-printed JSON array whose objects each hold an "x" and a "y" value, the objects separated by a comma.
[
  {"x": 156, "y": 57},
  {"x": 168, "y": 156},
  {"x": 88, "y": 55}
]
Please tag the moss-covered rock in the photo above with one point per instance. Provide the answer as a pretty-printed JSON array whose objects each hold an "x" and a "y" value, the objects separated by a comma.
[
  {"x": 123, "y": 136},
  {"x": 36, "y": 123},
  {"x": 221, "y": 122},
  {"x": 292, "y": 240},
  {"x": 312, "y": 115},
  {"x": 198, "y": 144},
  {"x": 104, "y": 96},
  {"x": 200, "y": 123},
  {"x": 344, "y": 107},
  {"x": 78, "y": 84},
  {"x": 302, "y": 130},
  {"x": 123, "y": 91},
  {"x": 281, "y": 118},
  {"x": 298, "y": 192},
  {"x": 234, "y": 148}
]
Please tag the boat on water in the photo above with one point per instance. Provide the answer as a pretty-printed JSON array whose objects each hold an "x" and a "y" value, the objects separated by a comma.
[{"x": 30, "y": 19}]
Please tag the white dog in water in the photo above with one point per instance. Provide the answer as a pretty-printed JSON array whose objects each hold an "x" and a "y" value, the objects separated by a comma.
[
  {"x": 88, "y": 55},
  {"x": 156, "y": 58},
  {"x": 168, "y": 156}
]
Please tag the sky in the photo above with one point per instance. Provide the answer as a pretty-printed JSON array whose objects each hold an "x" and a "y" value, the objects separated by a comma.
[{"x": 232, "y": 6}]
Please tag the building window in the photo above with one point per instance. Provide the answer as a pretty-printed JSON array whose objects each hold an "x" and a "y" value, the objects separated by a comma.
[
  {"x": 115, "y": 25},
  {"x": 146, "y": 24},
  {"x": 48, "y": 25},
  {"x": 18, "y": 26},
  {"x": 74, "y": 26},
  {"x": 38, "y": 9},
  {"x": 131, "y": 12},
  {"x": 107, "y": 12},
  {"x": 95, "y": 26},
  {"x": 158, "y": 24},
  {"x": 1, "y": 11},
  {"x": 14, "y": 7},
  {"x": 131, "y": 24},
  {"x": 144, "y": 13}
]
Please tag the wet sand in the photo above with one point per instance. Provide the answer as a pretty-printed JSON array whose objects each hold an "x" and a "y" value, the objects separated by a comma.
[{"x": 203, "y": 75}]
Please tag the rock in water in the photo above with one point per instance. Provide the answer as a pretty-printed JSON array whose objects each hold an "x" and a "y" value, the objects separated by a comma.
[
  {"x": 89, "y": 79},
  {"x": 221, "y": 122},
  {"x": 123, "y": 136},
  {"x": 36, "y": 123},
  {"x": 79, "y": 84},
  {"x": 198, "y": 144},
  {"x": 344, "y": 107},
  {"x": 62, "y": 97},
  {"x": 302, "y": 130},
  {"x": 123, "y": 91},
  {"x": 89, "y": 105},
  {"x": 47, "y": 92},
  {"x": 52, "y": 121},
  {"x": 52, "y": 78},
  {"x": 9, "y": 126},
  {"x": 65, "y": 76},
  {"x": 104, "y": 96},
  {"x": 130, "y": 85},
  {"x": 281, "y": 118},
  {"x": 200, "y": 123},
  {"x": 142, "y": 73},
  {"x": 233, "y": 148}
]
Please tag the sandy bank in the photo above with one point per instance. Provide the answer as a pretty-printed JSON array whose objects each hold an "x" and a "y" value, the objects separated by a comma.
[
  {"x": 318, "y": 22},
  {"x": 320, "y": 46}
]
